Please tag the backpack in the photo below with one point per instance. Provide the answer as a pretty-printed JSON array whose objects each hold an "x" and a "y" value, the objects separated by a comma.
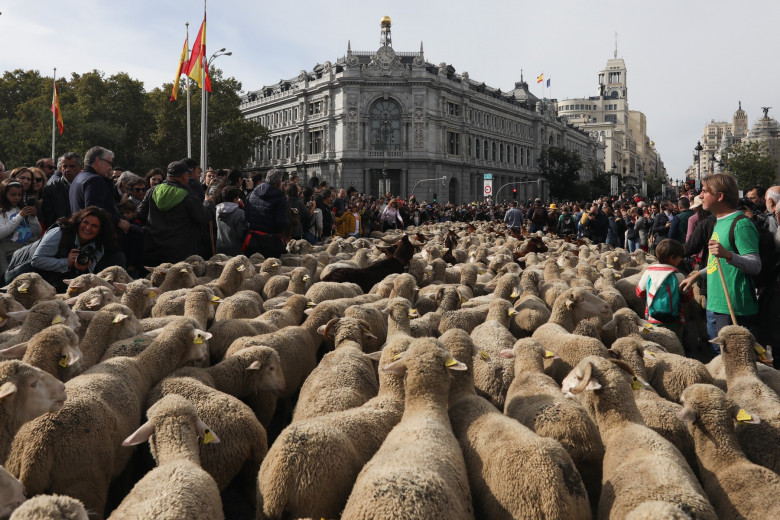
[
  {"x": 568, "y": 226},
  {"x": 665, "y": 306},
  {"x": 766, "y": 251},
  {"x": 539, "y": 217}
]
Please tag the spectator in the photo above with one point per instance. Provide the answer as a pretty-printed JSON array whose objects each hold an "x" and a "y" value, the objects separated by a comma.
[
  {"x": 537, "y": 216},
  {"x": 132, "y": 242},
  {"x": 18, "y": 223},
  {"x": 154, "y": 177},
  {"x": 390, "y": 217},
  {"x": 633, "y": 241},
  {"x": 174, "y": 218},
  {"x": 327, "y": 212},
  {"x": 24, "y": 176},
  {"x": 685, "y": 213},
  {"x": 46, "y": 165},
  {"x": 93, "y": 187},
  {"x": 757, "y": 198},
  {"x": 514, "y": 217},
  {"x": 773, "y": 214},
  {"x": 340, "y": 203},
  {"x": 596, "y": 225},
  {"x": 3, "y": 173},
  {"x": 300, "y": 217},
  {"x": 348, "y": 224},
  {"x": 231, "y": 223},
  {"x": 314, "y": 233},
  {"x": 661, "y": 224},
  {"x": 720, "y": 196},
  {"x": 211, "y": 176},
  {"x": 267, "y": 217},
  {"x": 56, "y": 199},
  {"x": 567, "y": 223},
  {"x": 36, "y": 188}
]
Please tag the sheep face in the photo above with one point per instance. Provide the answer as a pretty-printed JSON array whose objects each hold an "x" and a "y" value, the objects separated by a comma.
[
  {"x": 34, "y": 391},
  {"x": 11, "y": 493},
  {"x": 269, "y": 376},
  {"x": 580, "y": 379},
  {"x": 587, "y": 304}
]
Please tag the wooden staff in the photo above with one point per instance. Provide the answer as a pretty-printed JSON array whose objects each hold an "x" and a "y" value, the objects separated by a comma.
[{"x": 726, "y": 292}]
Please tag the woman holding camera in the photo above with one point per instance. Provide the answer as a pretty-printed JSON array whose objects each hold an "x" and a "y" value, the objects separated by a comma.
[
  {"x": 18, "y": 221},
  {"x": 75, "y": 246}
]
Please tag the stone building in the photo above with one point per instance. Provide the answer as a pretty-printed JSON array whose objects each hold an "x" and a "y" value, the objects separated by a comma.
[{"x": 391, "y": 121}]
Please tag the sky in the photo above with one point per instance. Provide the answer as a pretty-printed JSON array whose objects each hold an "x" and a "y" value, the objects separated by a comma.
[{"x": 688, "y": 61}]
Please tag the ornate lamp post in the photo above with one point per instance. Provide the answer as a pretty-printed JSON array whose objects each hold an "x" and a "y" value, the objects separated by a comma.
[{"x": 696, "y": 152}]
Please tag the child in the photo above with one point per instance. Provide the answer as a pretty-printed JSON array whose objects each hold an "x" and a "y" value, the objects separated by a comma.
[
  {"x": 18, "y": 226},
  {"x": 660, "y": 284},
  {"x": 231, "y": 223},
  {"x": 132, "y": 242}
]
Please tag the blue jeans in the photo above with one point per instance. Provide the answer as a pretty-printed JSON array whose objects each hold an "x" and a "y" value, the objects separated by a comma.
[
  {"x": 632, "y": 244},
  {"x": 716, "y": 321}
]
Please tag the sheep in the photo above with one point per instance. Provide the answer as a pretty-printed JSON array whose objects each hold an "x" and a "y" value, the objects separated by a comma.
[
  {"x": 657, "y": 510},
  {"x": 575, "y": 305},
  {"x": 115, "y": 274},
  {"x": 295, "y": 284},
  {"x": 178, "y": 487},
  {"x": 426, "y": 478},
  {"x": 215, "y": 391},
  {"x": 325, "y": 290},
  {"x": 40, "y": 316},
  {"x": 377, "y": 324},
  {"x": 404, "y": 286},
  {"x": 55, "y": 350},
  {"x": 236, "y": 270},
  {"x": 310, "y": 469},
  {"x": 639, "y": 464},
  {"x": 465, "y": 319},
  {"x": 8, "y": 304},
  {"x": 535, "y": 400},
  {"x": 531, "y": 310},
  {"x": 199, "y": 303},
  {"x": 134, "y": 345},
  {"x": 177, "y": 276},
  {"x": 399, "y": 312},
  {"x": 85, "y": 282},
  {"x": 670, "y": 374},
  {"x": 29, "y": 289},
  {"x": 494, "y": 445},
  {"x": 139, "y": 296},
  {"x": 492, "y": 379},
  {"x": 737, "y": 487},
  {"x": 26, "y": 393},
  {"x": 92, "y": 299},
  {"x": 767, "y": 374},
  {"x": 625, "y": 322},
  {"x": 50, "y": 507},
  {"x": 241, "y": 305},
  {"x": 104, "y": 406},
  {"x": 344, "y": 378},
  {"x": 738, "y": 350},
  {"x": 198, "y": 264},
  {"x": 11, "y": 493},
  {"x": 157, "y": 274},
  {"x": 507, "y": 287},
  {"x": 112, "y": 323}
]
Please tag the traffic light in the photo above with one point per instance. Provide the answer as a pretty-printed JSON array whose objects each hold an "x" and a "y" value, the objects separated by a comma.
[{"x": 514, "y": 193}]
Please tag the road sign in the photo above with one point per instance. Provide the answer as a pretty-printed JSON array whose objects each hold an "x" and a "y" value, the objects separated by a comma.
[
  {"x": 487, "y": 176},
  {"x": 488, "y": 188}
]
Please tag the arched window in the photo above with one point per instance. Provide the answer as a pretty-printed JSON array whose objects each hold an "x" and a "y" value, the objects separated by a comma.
[
  {"x": 278, "y": 149},
  {"x": 485, "y": 145},
  {"x": 287, "y": 146},
  {"x": 515, "y": 155},
  {"x": 269, "y": 150},
  {"x": 477, "y": 149},
  {"x": 501, "y": 152},
  {"x": 297, "y": 146},
  {"x": 385, "y": 117},
  {"x": 493, "y": 151}
]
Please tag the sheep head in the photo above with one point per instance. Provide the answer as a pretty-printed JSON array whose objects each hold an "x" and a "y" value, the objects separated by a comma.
[{"x": 710, "y": 405}]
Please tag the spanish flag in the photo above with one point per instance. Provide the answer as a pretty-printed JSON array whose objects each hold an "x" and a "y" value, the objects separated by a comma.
[
  {"x": 55, "y": 108},
  {"x": 182, "y": 64},
  {"x": 197, "y": 63},
  {"x": 540, "y": 78}
]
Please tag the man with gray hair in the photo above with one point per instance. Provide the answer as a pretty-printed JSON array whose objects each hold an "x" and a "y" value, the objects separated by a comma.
[
  {"x": 267, "y": 215},
  {"x": 56, "y": 199},
  {"x": 93, "y": 187},
  {"x": 3, "y": 175},
  {"x": 772, "y": 196}
]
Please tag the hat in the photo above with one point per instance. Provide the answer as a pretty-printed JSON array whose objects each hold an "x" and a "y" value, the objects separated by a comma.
[
  {"x": 553, "y": 206},
  {"x": 697, "y": 201},
  {"x": 537, "y": 199},
  {"x": 177, "y": 168}
]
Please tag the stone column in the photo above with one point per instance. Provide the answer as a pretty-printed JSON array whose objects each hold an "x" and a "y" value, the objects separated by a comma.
[{"x": 404, "y": 184}]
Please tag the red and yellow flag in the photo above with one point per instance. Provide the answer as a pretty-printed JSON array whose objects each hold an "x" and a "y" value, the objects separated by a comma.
[
  {"x": 540, "y": 78},
  {"x": 182, "y": 64},
  {"x": 197, "y": 64},
  {"x": 55, "y": 108}
]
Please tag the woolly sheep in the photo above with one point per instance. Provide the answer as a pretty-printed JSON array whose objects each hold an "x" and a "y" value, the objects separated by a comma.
[
  {"x": 535, "y": 400},
  {"x": 50, "y": 507},
  {"x": 494, "y": 446},
  {"x": 738, "y": 349},
  {"x": 767, "y": 374},
  {"x": 344, "y": 378},
  {"x": 241, "y": 305},
  {"x": 85, "y": 282},
  {"x": 29, "y": 289},
  {"x": 115, "y": 274},
  {"x": 139, "y": 296},
  {"x": 670, "y": 374},
  {"x": 236, "y": 270},
  {"x": 108, "y": 399},
  {"x": 377, "y": 324},
  {"x": 465, "y": 319},
  {"x": 625, "y": 322},
  {"x": 177, "y": 276},
  {"x": 657, "y": 510},
  {"x": 178, "y": 487},
  {"x": 134, "y": 345},
  {"x": 41, "y": 315},
  {"x": 26, "y": 392},
  {"x": 324, "y": 291},
  {"x": 492, "y": 379},
  {"x": 157, "y": 274},
  {"x": 215, "y": 392},
  {"x": 639, "y": 465},
  {"x": 8, "y": 304},
  {"x": 314, "y": 477},
  {"x": 531, "y": 310},
  {"x": 112, "y": 323},
  {"x": 426, "y": 478},
  {"x": 11, "y": 493},
  {"x": 737, "y": 488},
  {"x": 92, "y": 299},
  {"x": 55, "y": 350},
  {"x": 199, "y": 303}
]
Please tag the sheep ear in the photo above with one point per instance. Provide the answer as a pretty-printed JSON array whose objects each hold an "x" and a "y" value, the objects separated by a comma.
[
  {"x": 199, "y": 336},
  {"x": 121, "y": 286},
  {"x": 7, "y": 389},
  {"x": 686, "y": 415},
  {"x": 610, "y": 325},
  {"x": 367, "y": 333},
  {"x": 376, "y": 356},
  {"x": 397, "y": 367},
  {"x": 85, "y": 315},
  {"x": 718, "y": 340},
  {"x": 69, "y": 356},
  {"x": 325, "y": 329},
  {"x": 142, "y": 434},
  {"x": 206, "y": 435},
  {"x": 454, "y": 364},
  {"x": 745, "y": 417},
  {"x": 150, "y": 269},
  {"x": 18, "y": 315},
  {"x": 72, "y": 301},
  {"x": 256, "y": 365},
  {"x": 93, "y": 302},
  {"x": 3, "y": 321},
  {"x": 14, "y": 352},
  {"x": 154, "y": 333},
  {"x": 153, "y": 292},
  {"x": 179, "y": 299},
  {"x": 569, "y": 304},
  {"x": 613, "y": 354},
  {"x": 507, "y": 353},
  {"x": 22, "y": 287}
]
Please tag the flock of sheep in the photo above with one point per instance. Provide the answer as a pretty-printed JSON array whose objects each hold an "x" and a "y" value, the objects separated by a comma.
[{"x": 450, "y": 373}]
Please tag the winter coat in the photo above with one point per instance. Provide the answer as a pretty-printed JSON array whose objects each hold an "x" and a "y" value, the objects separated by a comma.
[
  {"x": 231, "y": 228},
  {"x": 266, "y": 210}
]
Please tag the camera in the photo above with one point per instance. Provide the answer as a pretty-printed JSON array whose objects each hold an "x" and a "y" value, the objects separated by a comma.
[
  {"x": 31, "y": 201},
  {"x": 86, "y": 255}
]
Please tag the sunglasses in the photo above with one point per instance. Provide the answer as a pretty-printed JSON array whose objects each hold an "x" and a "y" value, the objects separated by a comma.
[
  {"x": 48, "y": 166},
  {"x": 37, "y": 179},
  {"x": 139, "y": 190}
]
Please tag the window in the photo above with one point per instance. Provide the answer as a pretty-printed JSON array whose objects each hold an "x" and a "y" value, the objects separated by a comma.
[
  {"x": 385, "y": 126},
  {"x": 485, "y": 149},
  {"x": 515, "y": 154},
  {"x": 297, "y": 146},
  {"x": 315, "y": 108},
  {"x": 501, "y": 152},
  {"x": 287, "y": 146},
  {"x": 493, "y": 151},
  {"x": 315, "y": 142},
  {"x": 278, "y": 154},
  {"x": 477, "y": 149},
  {"x": 610, "y": 118},
  {"x": 453, "y": 143},
  {"x": 453, "y": 109},
  {"x": 269, "y": 149}
]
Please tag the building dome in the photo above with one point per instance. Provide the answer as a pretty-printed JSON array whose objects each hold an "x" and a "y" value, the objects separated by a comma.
[{"x": 385, "y": 21}]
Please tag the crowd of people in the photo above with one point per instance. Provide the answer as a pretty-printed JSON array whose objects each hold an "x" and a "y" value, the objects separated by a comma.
[{"x": 79, "y": 216}]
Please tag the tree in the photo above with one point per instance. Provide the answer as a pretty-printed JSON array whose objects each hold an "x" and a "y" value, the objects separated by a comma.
[
  {"x": 560, "y": 167},
  {"x": 751, "y": 164}
]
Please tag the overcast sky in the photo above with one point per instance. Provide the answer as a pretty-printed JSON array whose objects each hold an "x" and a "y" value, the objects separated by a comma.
[{"x": 688, "y": 61}]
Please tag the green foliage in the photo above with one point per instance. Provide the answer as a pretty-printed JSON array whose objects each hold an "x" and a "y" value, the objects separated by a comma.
[
  {"x": 144, "y": 129},
  {"x": 751, "y": 164},
  {"x": 560, "y": 167}
]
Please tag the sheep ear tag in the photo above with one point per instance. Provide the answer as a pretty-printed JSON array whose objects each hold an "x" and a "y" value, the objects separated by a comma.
[
  {"x": 484, "y": 355},
  {"x": 241, "y": 268},
  {"x": 647, "y": 328},
  {"x": 549, "y": 354},
  {"x": 215, "y": 300},
  {"x": 198, "y": 339},
  {"x": 453, "y": 364},
  {"x": 64, "y": 361},
  {"x": 56, "y": 320},
  {"x": 635, "y": 384},
  {"x": 23, "y": 288},
  {"x": 761, "y": 353},
  {"x": 746, "y": 418},
  {"x": 208, "y": 437},
  {"x": 119, "y": 318}
]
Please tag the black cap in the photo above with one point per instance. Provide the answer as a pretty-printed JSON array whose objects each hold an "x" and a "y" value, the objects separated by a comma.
[{"x": 176, "y": 168}]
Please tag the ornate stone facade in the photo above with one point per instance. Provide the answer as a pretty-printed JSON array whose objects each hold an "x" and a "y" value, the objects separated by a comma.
[{"x": 392, "y": 121}]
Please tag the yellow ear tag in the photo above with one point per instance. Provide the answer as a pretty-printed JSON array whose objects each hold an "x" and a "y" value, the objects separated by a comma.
[
  {"x": 463, "y": 299},
  {"x": 310, "y": 305},
  {"x": 650, "y": 353},
  {"x": 64, "y": 361},
  {"x": 215, "y": 300},
  {"x": 548, "y": 354},
  {"x": 647, "y": 328},
  {"x": 56, "y": 320},
  {"x": 484, "y": 355},
  {"x": 240, "y": 268},
  {"x": 743, "y": 416},
  {"x": 450, "y": 363},
  {"x": 635, "y": 384},
  {"x": 761, "y": 352},
  {"x": 23, "y": 289},
  {"x": 207, "y": 436},
  {"x": 397, "y": 356},
  {"x": 152, "y": 294},
  {"x": 198, "y": 340}
]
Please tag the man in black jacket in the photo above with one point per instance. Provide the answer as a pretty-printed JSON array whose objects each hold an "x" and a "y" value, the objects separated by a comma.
[
  {"x": 56, "y": 198},
  {"x": 267, "y": 217}
]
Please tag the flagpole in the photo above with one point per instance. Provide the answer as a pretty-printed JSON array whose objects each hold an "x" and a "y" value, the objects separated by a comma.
[
  {"x": 187, "y": 85},
  {"x": 203, "y": 97},
  {"x": 53, "y": 116}
]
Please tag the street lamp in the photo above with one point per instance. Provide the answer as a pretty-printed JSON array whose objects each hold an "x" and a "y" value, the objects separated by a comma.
[
  {"x": 204, "y": 151},
  {"x": 697, "y": 152}
]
